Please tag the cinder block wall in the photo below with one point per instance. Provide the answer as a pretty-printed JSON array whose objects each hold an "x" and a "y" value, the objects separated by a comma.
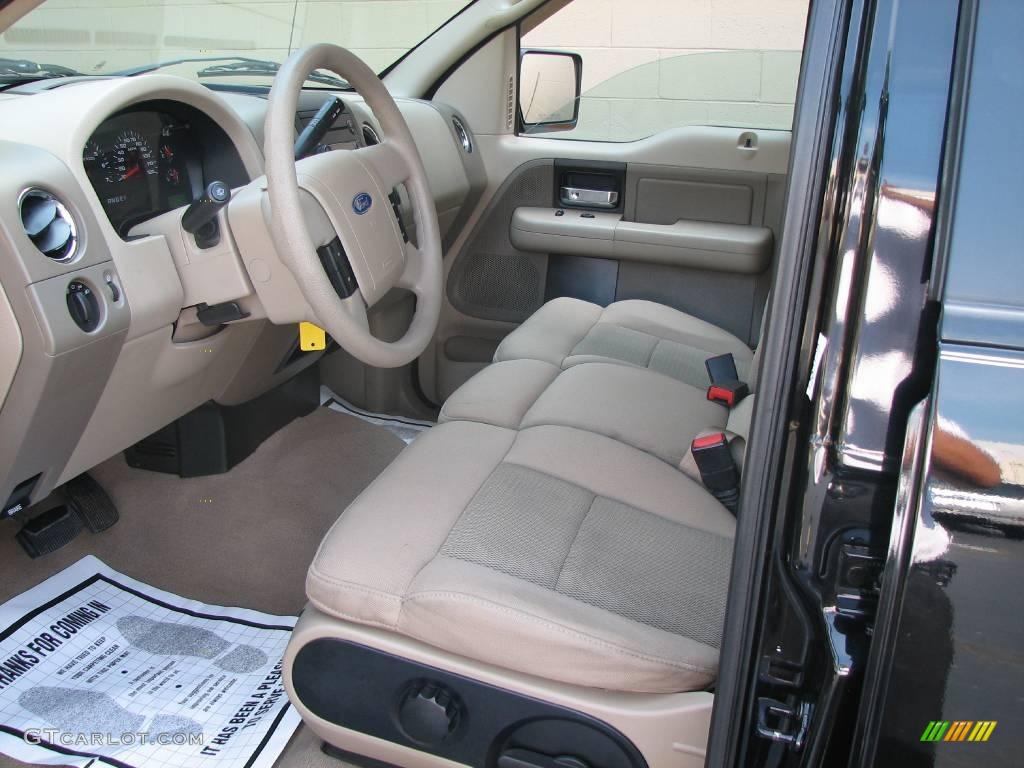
[
  {"x": 648, "y": 64},
  {"x": 96, "y": 36},
  {"x": 652, "y": 64}
]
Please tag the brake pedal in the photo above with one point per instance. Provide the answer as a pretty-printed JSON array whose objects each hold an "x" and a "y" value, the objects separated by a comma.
[
  {"x": 95, "y": 508},
  {"x": 49, "y": 531}
]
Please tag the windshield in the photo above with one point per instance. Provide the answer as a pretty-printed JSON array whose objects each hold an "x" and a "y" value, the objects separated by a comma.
[{"x": 223, "y": 42}]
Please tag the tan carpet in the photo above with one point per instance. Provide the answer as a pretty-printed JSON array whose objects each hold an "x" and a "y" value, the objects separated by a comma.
[{"x": 244, "y": 538}]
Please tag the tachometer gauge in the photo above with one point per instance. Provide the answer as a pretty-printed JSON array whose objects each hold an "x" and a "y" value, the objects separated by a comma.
[
  {"x": 133, "y": 157},
  {"x": 95, "y": 160},
  {"x": 92, "y": 153}
]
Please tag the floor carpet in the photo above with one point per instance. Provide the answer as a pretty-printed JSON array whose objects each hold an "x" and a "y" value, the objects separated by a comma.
[{"x": 244, "y": 538}]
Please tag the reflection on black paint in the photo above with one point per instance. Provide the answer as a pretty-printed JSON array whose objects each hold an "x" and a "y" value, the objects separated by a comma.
[
  {"x": 958, "y": 655},
  {"x": 927, "y": 617}
]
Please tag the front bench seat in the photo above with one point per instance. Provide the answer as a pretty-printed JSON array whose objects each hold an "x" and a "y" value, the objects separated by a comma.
[
  {"x": 654, "y": 413},
  {"x": 549, "y": 551},
  {"x": 566, "y": 332}
]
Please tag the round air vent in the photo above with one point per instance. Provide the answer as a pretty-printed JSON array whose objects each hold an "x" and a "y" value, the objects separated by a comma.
[
  {"x": 463, "y": 135},
  {"x": 49, "y": 224},
  {"x": 370, "y": 137}
]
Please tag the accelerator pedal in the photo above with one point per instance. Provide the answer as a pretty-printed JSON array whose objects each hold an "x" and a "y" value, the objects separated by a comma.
[
  {"x": 92, "y": 504},
  {"x": 49, "y": 531}
]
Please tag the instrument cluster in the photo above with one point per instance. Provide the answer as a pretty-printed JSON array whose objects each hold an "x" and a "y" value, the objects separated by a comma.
[{"x": 142, "y": 164}]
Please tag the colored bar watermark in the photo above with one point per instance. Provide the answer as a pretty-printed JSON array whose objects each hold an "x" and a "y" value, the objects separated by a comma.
[{"x": 958, "y": 730}]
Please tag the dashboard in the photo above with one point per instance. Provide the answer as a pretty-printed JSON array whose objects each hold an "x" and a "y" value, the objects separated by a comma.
[
  {"x": 85, "y": 163},
  {"x": 154, "y": 158}
]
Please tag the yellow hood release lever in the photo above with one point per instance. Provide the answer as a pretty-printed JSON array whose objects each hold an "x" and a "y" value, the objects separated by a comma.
[{"x": 312, "y": 338}]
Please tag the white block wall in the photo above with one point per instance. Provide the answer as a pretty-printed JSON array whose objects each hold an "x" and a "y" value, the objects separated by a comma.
[
  {"x": 95, "y": 36},
  {"x": 652, "y": 64},
  {"x": 648, "y": 64}
]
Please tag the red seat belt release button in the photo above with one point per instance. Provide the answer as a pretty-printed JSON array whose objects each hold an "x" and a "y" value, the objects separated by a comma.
[
  {"x": 721, "y": 395},
  {"x": 728, "y": 393},
  {"x": 717, "y": 469},
  {"x": 708, "y": 441}
]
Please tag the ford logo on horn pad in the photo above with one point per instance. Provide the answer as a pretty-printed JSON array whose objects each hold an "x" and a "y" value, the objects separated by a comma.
[{"x": 361, "y": 203}]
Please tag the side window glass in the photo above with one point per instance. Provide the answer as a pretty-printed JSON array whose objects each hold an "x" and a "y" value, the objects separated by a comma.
[{"x": 651, "y": 65}]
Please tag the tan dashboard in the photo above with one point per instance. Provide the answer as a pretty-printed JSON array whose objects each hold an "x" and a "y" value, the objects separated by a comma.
[{"x": 100, "y": 341}]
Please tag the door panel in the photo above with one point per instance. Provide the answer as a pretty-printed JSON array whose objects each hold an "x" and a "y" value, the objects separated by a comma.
[
  {"x": 727, "y": 300},
  {"x": 694, "y": 225},
  {"x": 666, "y": 200},
  {"x": 683, "y": 243},
  {"x": 697, "y": 239},
  {"x": 491, "y": 279}
]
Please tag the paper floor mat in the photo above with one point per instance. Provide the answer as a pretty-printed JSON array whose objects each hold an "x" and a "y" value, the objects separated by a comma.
[
  {"x": 98, "y": 668},
  {"x": 405, "y": 428}
]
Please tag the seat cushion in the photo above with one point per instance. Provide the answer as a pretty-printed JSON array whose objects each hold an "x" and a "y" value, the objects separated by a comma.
[
  {"x": 654, "y": 413},
  {"x": 549, "y": 550},
  {"x": 566, "y": 332}
]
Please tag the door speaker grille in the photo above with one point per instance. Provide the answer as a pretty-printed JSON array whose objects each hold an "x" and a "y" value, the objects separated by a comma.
[{"x": 490, "y": 278}]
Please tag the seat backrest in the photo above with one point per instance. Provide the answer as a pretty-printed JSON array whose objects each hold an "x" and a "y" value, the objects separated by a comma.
[
  {"x": 741, "y": 416},
  {"x": 755, "y": 363}
]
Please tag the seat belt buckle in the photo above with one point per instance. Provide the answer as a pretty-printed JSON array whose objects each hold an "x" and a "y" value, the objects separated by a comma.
[
  {"x": 717, "y": 469},
  {"x": 726, "y": 387},
  {"x": 728, "y": 393}
]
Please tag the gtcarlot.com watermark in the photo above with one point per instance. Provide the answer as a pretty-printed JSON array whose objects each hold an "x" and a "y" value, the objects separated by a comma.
[{"x": 37, "y": 736}]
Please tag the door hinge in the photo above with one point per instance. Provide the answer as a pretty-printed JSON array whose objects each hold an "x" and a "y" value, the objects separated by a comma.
[{"x": 783, "y": 723}]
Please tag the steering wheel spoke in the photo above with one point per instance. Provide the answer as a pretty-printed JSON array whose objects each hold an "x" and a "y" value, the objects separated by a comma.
[
  {"x": 355, "y": 308},
  {"x": 386, "y": 162},
  {"x": 412, "y": 276}
]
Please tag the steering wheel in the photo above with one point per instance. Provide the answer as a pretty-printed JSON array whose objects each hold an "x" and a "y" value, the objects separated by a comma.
[{"x": 344, "y": 194}]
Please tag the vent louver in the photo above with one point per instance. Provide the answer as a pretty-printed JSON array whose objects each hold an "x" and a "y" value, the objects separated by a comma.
[
  {"x": 49, "y": 225},
  {"x": 463, "y": 135},
  {"x": 370, "y": 137}
]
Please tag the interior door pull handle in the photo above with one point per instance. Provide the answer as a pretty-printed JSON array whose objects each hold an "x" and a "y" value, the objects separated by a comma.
[{"x": 594, "y": 197}]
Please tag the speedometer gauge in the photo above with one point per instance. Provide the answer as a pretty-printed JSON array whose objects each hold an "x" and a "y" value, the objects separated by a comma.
[{"x": 132, "y": 157}]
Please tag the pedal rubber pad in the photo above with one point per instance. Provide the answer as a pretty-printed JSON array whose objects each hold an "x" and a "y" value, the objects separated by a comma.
[
  {"x": 49, "y": 531},
  {"x": 87, "y": 497}
]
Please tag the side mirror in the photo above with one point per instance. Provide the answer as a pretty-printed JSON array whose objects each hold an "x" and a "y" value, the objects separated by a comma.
[{"x": 550, "y": 84}]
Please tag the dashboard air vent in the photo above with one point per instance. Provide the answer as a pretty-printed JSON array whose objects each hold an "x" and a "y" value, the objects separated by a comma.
[
  {"x": 48, "y": 224},
  {"x": 370, "y": 136}
]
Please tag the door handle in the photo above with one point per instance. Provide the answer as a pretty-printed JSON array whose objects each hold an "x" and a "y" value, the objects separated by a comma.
[{"x": 596, "y": 198}]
